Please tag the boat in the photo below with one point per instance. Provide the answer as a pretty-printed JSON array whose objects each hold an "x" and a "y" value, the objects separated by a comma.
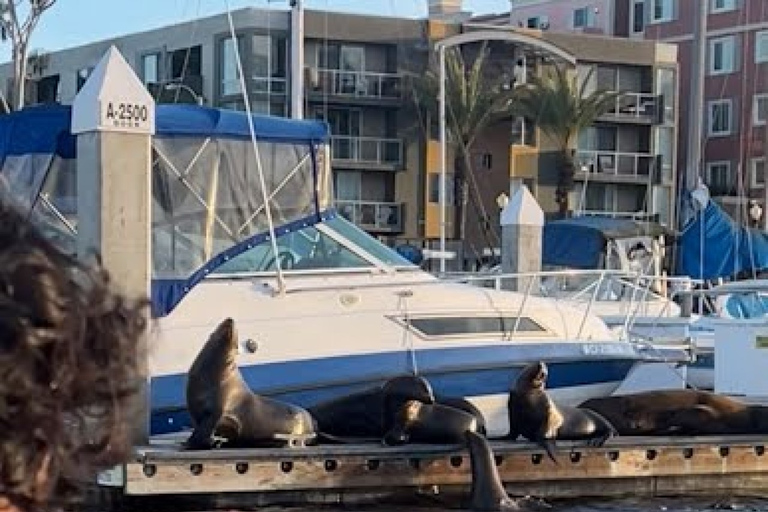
[{"x": 322, "y": 308}]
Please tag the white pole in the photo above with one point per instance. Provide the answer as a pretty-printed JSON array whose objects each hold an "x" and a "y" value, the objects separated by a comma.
[
  {"x": 441, "y": 100},
  {"x": 297, "y": 59}
]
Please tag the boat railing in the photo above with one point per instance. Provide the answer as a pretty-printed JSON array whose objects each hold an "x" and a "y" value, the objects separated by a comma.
[{"x": 635, "y": 288}]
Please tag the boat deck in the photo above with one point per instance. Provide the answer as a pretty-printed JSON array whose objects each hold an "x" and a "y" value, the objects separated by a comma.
[{"x": 647, "y": 466}]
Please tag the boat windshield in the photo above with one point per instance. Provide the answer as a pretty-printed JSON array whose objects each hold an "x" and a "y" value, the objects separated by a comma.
[{"x": 332, "y": 244}]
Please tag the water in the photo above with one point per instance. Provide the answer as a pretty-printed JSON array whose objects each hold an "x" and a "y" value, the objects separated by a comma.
[{"x": 682, "y": 504}]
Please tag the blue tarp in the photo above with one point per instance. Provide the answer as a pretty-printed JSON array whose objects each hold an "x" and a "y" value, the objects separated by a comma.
[
  {"x": 45, "y": 129},
  {"x": 725, "y": 249},
  {"x": 580, "y": 242}
]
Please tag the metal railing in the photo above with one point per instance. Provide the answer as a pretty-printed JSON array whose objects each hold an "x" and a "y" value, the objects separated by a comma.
[
  {"x": 636, "y": 105},
  {"x": 370, "y": 150},
  {"x": 361, "y": 84},
  {"x": 641, "y": 216},
  {"x": 590, "y": 287},
  {"x": 615, "y": 163},
  {"x": 257, "y": 84},
  {"x": 372, "y": 215}
]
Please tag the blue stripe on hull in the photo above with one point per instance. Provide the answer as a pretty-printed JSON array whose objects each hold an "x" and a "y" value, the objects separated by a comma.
[{"x": 475, "y": 371}]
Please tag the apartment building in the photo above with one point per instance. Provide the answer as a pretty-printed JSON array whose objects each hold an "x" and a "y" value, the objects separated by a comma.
[
  {"x": 386, "y": 170},
  {"x": 734, "y": 134},
  {"x": 627, "y": 161}
]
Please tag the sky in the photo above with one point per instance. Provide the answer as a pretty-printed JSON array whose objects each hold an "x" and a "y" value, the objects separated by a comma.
[{"x": 74, "y": 22}]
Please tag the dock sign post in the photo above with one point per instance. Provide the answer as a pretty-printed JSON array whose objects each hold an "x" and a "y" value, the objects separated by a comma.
[{"x": 113, "y": 117}]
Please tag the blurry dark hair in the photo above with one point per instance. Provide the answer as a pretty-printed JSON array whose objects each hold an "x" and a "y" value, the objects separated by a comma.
[{"x": 69, "y": 368}]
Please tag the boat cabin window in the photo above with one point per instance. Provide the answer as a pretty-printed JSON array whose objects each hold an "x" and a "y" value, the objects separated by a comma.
[
  {"x": 306, "y": 249},
  {"x": 446, "y": 326},
  {"x": 367, "y": 243}
]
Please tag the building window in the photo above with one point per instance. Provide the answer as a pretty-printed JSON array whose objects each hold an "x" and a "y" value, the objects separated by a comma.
[
  {"x": 761, "y": 46},
  {"x": 757, "y": 176},
  {"x": 584, "y": 17},
  {"x": 82, "y": 77},
  {"x": 269, "y": 63},
  {"x": 638, "y": 16},
  {"x": 434, "y": 188},
  {"x": 229, "y": 72},
  {"x": 523, "y": 132},
  {"x": 150, "y": 68},
  {"x": 759, "y": 109},
  {"x": 186, "y": 62},
  {"x": 720, "y": 114},
  {"x": 662, "y": 10},
  {"x": 723, "y": 5},
  {"x": 719, "y": 178},
  {"x": 722, "y": 53},
  {"x": 539, "y": 22}
]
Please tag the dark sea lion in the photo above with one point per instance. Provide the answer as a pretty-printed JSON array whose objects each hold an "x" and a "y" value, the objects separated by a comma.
[
  {"x": 417, "y": 422},
  {"x": 487, "y": 492},
  {"x": 535, "y": 416},
  {"x": 464, "y": 405},
  {"x": 369, "y": 414},
  {"x": 679, "y": 412},
  {"x": 221, "y": 404}
]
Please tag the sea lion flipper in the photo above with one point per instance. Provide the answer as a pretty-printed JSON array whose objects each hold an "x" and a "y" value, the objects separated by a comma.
[
  {"x": 202, "y": 435},
  {"x": 487, "y": 493},
  {"x": 550, "y": 446}
]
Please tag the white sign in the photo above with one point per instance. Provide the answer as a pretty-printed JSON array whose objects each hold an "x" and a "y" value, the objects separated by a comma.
[{"x": 128, "y": 115}]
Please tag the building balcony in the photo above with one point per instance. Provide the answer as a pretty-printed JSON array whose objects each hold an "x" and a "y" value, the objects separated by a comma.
[
  {"x": 367, "y": 151},
  {"x": 636, "y": 107},
  {"x": 614, "y": 165},
  {"x": 378, "y": 217},
  {"x": 354, "y": 86}
]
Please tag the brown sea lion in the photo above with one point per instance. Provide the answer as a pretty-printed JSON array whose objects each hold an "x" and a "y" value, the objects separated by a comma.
[
  {"x": 221, "y": 404},
  {"x": 681, "y": 412},
  {"x": 535, "y": 416}
]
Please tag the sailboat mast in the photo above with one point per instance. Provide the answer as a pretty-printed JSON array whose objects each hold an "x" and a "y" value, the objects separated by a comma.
[
  {"x": 297, "y": 59},
  {"x": 696, "y": 105}
]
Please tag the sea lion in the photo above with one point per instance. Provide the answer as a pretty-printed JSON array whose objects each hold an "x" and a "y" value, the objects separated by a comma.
[
  {"x": 369, "y": 414},
  {"x": 679, "y": 412},
  {"x": 221, "y": 403},
  {"x": 417, "y": 422},
  {"x": 487, "y": 492},
  {"x": 535, "y": 416}
]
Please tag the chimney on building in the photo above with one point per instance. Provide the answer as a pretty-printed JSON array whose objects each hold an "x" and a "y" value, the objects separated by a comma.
[{"x": 442, "y": 9}]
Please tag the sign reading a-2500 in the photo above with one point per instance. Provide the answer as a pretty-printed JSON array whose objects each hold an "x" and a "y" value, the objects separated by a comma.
[{"x": 126, "y": 115}]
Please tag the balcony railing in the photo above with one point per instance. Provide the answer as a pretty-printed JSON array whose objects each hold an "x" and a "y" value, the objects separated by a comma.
[
  {"x": 372, "y": 215},
  {"x": 368, "y": 150},
  {"x": 637, "y": 105},
  {"x": 615, "y": 163},
  {"x": 358, "y": 84}
]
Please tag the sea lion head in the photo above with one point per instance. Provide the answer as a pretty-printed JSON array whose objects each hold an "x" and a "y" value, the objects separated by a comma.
[
  {"x": 225, "y": 337},
  {"x": 409, "y": 387},
  {"x": 533, "y": 376}
]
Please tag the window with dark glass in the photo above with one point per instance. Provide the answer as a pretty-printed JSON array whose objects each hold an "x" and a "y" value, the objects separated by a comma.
[{"x": 447, "y": 326}]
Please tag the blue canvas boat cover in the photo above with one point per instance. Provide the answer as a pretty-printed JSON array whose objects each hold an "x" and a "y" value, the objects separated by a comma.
[
  {"x": 713, "y": 245},
  {"x": 579, "y": 242},
  {"x": 208, "y": 205}
]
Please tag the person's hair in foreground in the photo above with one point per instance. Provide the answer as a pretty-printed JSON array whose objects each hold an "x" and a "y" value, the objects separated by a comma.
[{"x": 69, "y": 369}]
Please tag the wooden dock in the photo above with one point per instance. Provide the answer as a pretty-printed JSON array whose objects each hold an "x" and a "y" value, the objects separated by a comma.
[{"x": 648, "y": 466}]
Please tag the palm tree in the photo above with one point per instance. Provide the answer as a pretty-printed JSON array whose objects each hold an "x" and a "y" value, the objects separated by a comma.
[
  {"x": 476, "y": 97},
  {"x": 561, "y": 109}
]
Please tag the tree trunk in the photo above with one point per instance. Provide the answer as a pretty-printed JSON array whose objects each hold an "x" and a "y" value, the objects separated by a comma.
[
  {"x": 461, "y": 195},
  {"x": 565, "y": 182},
  {"x": 19, "y": 75}
]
